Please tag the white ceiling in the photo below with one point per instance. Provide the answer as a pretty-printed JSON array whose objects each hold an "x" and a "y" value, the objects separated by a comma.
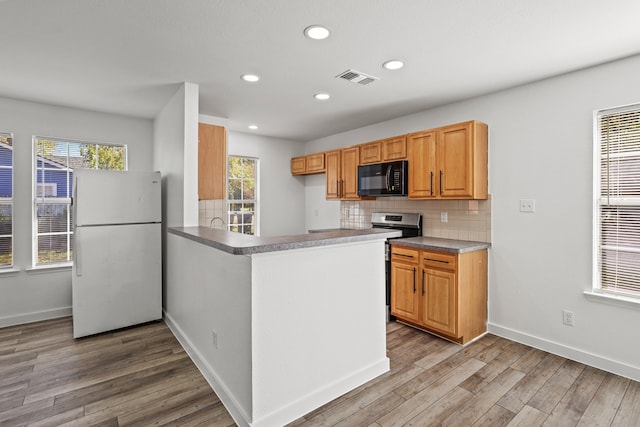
[{"x": 129, "y": 56}]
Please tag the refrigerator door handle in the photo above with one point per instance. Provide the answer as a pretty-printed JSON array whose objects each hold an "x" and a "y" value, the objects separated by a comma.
[{"x": 76, "y": 256}]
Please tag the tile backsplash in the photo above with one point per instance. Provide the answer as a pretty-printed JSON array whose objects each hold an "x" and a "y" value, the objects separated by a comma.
[
  {"x": 466, "y": 219},
  {"x": 210, "y": 209}
]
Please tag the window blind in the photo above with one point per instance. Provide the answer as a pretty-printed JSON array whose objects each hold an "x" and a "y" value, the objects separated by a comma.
[
  {"x": 55, "y": 161},
  {"x": 619, "y": 201},
  {"x": 6, "y": 200}
]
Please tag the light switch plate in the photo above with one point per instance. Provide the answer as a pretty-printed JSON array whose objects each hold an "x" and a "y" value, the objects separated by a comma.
[{"x": 527, "y": 205}]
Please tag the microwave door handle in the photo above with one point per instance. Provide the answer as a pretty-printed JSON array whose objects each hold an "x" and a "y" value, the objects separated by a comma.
[{"x": 388, "y": 176}]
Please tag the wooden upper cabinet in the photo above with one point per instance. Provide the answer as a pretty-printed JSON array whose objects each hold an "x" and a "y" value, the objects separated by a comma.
[
  {"x": 394, "y": 149},
  {"x": 385, "y": 150},
  {"x": 298, "y": 165},
  {"x": 341, "y": 167},
  {"x": 303, "y": 165},
  {"x": 315, "y": 163},
  {"x": 421, "y": 152},
  {"x": 350, "y": 162},
  {"x": 449, "y": 162},
  {"x": 371, "y": 152},
  {"x": 332, "y": 161},
  {"x": 212, "y": 162}
]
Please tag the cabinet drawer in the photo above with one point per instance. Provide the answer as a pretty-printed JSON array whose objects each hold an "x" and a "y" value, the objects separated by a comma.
[
  {"x": 441, "y": 260},
  {"x": 403, "y": 254}
]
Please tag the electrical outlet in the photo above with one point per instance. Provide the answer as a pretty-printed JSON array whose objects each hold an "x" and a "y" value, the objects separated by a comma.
[
  {"x": 567, "y": 317},
  {"x": 444, "y": 217},
  {"x": 527, "y": 205},
  {"x": 214, "y": 336}
]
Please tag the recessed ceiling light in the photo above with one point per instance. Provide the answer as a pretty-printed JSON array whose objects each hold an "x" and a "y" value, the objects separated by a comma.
[
  {"x": 322, "y": 96},
  {"x": 316, "y": 32},
  {"x": 253, "y": 127},
  {"x": 251, "y": 78},
  {"x": 393, "y": 64}
]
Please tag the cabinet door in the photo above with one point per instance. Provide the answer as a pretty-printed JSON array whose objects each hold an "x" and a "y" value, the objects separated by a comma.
[
  {"x": 350, "y": 162},
  {"x": 315, "y": 163},
  {"x": 298, "y": 165},
  {"x": 421, "y": 153},
  {"x": 333, "y": 176},
  {"x": 405, "y": 299},
  {"x": 455, "y": 161},
  {"x": 370, "y": 153},
  {"x": 212, "y": 162},
  {"x": 439, "y": 301},
  {"x": 394, "y": 149}
]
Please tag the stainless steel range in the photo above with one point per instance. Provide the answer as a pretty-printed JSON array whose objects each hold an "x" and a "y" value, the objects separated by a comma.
[{"x": 410, "y": 224}]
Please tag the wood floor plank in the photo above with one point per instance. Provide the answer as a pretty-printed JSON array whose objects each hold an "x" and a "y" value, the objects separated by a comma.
[
  {"x": 605, "y": 403},
  {"x": 142, "y": 376},
  {"x": 516, "y": 398},
  {"x": 510, "y": 354},
  {"x": 629, "y": 411},
  {"x": 552, "y": 391},
  {"x": 488, "y": 396},
  {"x": 528, "y": 417},
  {"x": 331, "y": 414},
  {"x": 431, "y": 394},
  {"x": 496, "y": 416},
  {"x": 577, "y": 399},
  {"x": 441, "y": 409}
]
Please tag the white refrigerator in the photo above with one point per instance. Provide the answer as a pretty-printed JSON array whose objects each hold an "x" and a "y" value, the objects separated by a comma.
[{"x": 117, "y": 250}]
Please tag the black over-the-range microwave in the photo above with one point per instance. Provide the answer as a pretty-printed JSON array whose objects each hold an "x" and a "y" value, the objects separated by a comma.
[{"x": 383, "y": 179}]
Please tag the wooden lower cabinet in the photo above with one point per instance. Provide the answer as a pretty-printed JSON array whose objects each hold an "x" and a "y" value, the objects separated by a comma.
[
  {"x": 404, "y": 271},
  {"x": 448, "y": 296}
]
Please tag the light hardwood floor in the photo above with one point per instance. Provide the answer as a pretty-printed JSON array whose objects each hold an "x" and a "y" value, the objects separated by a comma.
[{"x": 141, "y": 376}]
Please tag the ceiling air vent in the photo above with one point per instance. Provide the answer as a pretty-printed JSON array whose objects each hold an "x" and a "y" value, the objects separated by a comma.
[{"x": 357, "y": 77}]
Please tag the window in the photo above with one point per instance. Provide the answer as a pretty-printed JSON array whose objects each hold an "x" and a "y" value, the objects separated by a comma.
[
  {"x": 55, "y": 161},
  {"x": 617, "y": 202},
  {"x": 242, "y": 202},
  {"x": 6, "y": 200}
]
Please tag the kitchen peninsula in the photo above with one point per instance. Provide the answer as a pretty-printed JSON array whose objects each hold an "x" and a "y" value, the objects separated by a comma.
[{"x": 278, "y": 325}]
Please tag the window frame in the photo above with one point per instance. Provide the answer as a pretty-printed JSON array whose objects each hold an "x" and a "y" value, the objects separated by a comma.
[
  {"x": 9, "y": 201},
  {"x": 43, "y": 200},
  {"x": 599, "y": 293},
  {"x": 255, "y": 200}
]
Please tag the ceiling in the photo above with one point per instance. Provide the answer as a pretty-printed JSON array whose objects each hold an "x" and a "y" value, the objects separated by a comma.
[{"x": 128, "y": 57}]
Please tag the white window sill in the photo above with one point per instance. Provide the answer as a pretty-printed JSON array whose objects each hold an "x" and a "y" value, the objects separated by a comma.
[
  {"x": 9, "y": 271},
  {"x": 611, "y": 299},
  {"x": 48, "y": 268}
]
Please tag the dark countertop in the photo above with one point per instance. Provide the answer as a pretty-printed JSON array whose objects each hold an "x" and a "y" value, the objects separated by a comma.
[
  {"x": 244, "y": 244},
  {"x": 444, "y": 245}
]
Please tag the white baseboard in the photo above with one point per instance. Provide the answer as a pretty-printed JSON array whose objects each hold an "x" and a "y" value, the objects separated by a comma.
[
  {"x": 36, "y": 316},
  {"x": 285, "y": 414},
  {"x": 226, "y": 397},
  {"x": 308, "y": 403},
  {"x": 576, "y": 354}
]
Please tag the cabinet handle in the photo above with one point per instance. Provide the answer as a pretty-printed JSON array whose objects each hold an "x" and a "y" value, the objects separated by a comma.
[
  {"x": 414, "y": 280},
  {"x": 404, "y": 255},
  {"x": 441, "y": 183},
  {"x": 436, "y": 260},
  {"x": 431, "y": 186},
  {"x": 338, "y": 188},
  {"x": 422, "y": 282}
]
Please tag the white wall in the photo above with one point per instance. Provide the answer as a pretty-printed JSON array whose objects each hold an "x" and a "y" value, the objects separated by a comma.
[
  {"x": 29, "y": 295},
  {"x": 175, "y": 155},
  {"x": 540, "y": 147},
  {"x": 282, "y": 209}
]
